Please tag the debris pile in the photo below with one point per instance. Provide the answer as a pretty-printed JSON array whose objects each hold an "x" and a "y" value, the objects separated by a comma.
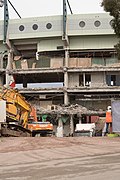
[{"x": 70, "y": 109}]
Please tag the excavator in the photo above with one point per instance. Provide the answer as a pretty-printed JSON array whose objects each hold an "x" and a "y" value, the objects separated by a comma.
[
  {"x": 16, "y": 113},
  {"x": 40, "y": 128}
]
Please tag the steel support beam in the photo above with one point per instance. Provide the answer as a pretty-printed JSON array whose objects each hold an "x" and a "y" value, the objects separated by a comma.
[
  {"x": 64, "y": 18},
  {"x": 65, "y": 36},
  {"x": 6, "y": 20}
]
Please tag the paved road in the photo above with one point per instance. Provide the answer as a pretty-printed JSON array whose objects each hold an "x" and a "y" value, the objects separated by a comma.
[{"x": 84, "y": 159}]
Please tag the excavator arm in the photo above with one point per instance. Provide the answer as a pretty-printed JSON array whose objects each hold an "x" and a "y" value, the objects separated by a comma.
[{"x": 17, "y": 108}]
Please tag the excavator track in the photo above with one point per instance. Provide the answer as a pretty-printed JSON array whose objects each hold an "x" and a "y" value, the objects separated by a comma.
[{"x": 14, "y": 131}]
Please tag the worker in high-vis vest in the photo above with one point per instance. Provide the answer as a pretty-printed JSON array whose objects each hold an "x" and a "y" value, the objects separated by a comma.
[{"x": 108, "y": 119}]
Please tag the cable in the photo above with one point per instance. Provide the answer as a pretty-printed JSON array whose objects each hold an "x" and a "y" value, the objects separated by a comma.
[
  {"x": 14, "y": 9},
  {"x": 69, "y": 6}
]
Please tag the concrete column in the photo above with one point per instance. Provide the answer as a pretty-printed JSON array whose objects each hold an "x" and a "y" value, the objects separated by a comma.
[
  {"x": 104, "y": 78},
  {"x": 10, "y": 60},
  {"x": 66, "y": 57},
  {"x": 1, "y": 61},
  {"x": 7, "y": 78},
  {"x": 66, "y": 77},
  {"x": 60, "y": 123},
  {"x": 66, "y": 98},
  {"x": 1, "y": 66},
  {"x": 71, "y": 125},
  {"x": 9, "y": 67},
  {"x": 60, "y": 128},
  {"x": 80, "y": 121},
  {"x": 84, "y": 79},
  {"x": 0, "y": 129}
]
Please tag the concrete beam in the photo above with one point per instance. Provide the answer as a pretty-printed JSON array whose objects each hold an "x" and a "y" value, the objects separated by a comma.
[
  {"x": 43, "y": 91},
  {"x": 72, "y": 90},
  {"x": 95, "y": 69},
  {"x": 36, "y": 71},
  {"x": 69, "y": 70},
  {"x": 94, "y": 90}
]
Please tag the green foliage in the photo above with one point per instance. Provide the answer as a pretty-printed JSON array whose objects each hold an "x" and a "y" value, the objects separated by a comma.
[
  {"x": 113, "y": 7},
  {"x": 117, "y": 47},
  {"x": 116, "y": 26}
]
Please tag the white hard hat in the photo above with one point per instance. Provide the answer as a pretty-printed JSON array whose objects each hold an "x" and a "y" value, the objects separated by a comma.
[{"x": 109, "y": 108}]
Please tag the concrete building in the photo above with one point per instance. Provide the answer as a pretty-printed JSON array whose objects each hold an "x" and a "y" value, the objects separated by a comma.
[{"x": 84, "y": 69}]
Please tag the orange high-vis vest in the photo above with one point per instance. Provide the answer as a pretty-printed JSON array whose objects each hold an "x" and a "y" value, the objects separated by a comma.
[{"x": 108, "y": 117}]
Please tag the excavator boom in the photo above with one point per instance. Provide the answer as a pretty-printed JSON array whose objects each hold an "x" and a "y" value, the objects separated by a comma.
[{"x": 17, "y": 113}]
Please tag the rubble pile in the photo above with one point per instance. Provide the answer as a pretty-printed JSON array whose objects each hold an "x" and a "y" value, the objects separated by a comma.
[{"x": 70, "y": 109}]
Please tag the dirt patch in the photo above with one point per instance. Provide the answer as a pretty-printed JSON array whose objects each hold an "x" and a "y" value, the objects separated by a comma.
[{"x": 12, "y": 144}]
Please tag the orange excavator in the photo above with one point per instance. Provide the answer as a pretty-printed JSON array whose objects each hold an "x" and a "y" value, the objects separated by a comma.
[
  {"x": 18, "y": 117},
  {"x": 40, "y": 128}
]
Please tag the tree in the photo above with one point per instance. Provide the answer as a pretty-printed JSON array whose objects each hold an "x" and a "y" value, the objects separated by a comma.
[{"x": 113, "y": 7}]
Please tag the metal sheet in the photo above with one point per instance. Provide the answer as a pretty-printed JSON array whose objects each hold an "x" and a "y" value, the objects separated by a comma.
[
  {"x": 2, "y": 111},
  {"x": 116, "y": 116}
]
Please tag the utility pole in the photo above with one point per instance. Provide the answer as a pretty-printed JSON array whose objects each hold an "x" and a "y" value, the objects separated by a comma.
[
  {"x": 6, "y": 40},
  {"x": 7, "y": 43},
  {"x": 66, "y": 47}
]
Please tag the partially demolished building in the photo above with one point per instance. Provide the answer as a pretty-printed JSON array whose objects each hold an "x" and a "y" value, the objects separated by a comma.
[{"x": 49, "y": 69}]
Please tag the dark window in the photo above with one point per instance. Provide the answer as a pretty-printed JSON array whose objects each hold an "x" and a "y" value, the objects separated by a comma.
[
  {"x": 111, "y": 80},
  {"x": 82, "y": 24},
  {"x": 81, "y": 83},
  {"x": 48, "y": 25},
  {"x": 35, "y": 26},
  {"x": 21, "y": 28},
  {"x": 60, "y": 47},
  {"x": 87, "y": 79},
  {"x": 97, "y": 23}
]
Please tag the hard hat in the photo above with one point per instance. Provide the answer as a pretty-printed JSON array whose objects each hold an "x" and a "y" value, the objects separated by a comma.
[{"x": 109, "y": 108}]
